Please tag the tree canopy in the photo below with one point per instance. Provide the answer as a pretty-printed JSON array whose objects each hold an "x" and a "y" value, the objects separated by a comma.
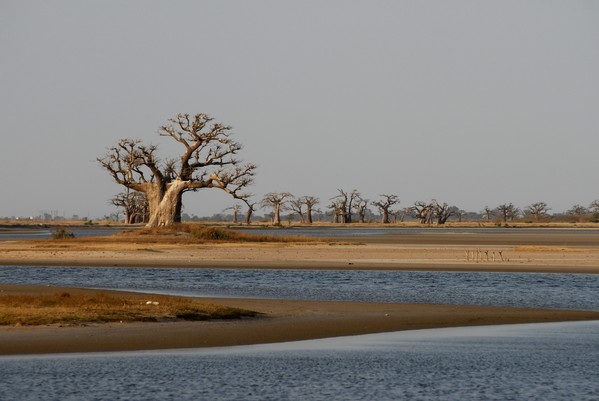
[{"x": 208, "y": 160}]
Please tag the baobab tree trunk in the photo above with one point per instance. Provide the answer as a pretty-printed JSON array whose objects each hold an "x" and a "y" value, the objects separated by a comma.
[
  {"x": 309, "y": 215},
  {"x": 248, "y": 217},
  {"x": 277, "y": 217},
  {"x": 385, "y": 216},
  {"x": 164, "y": 203},
  {"x": 128, "y": 219}
]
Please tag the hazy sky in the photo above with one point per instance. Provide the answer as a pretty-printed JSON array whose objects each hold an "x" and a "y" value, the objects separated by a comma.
[{"x": 473, "y": 103}]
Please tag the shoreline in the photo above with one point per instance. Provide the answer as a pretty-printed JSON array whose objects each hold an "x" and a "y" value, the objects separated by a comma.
[
  {"x": 304, "y": 265},
  {"x": 282, "y": 321}
]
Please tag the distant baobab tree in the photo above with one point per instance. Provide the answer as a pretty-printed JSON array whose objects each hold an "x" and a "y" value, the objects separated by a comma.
[
  {"x": 343, "y": 205},
  {"x": 443, "y": 211},
  {"x": 508, "y": 211},
  {"x": 487, "y": 213},
  {"x": 422, "y": 211},
  {"x": 310, "y": 202},
  {"x": 577, "y": 210},
  {"x": 384, "y": 206},
  {"x": 296, "y": 205},
  {"x": 460, "y": 213},
  {"x": 134, "y": 204},
  {"x": 537, "y": 210},
  {"x": 361, "y": 207},
  {"x": 426, "y": 213},
  {"x": 236, "y": 209},
  {"x": 277, "y": 202},
  {"x": 208, "y": 161}
]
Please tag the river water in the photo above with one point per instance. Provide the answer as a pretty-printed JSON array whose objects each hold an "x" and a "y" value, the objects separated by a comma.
[
  {"x": 533, "y": 362},
  {"x": 550, "y": 290},
  {"x": 519, "y": 362}
]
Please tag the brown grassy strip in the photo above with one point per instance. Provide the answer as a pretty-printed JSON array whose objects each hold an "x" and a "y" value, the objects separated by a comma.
[
  {"x": 76, "y": 309},
  {"x": 186, "y": 233},
  {"x": 211, "y": 233}
]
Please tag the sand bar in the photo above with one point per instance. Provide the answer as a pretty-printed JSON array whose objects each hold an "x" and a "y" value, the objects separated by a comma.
[
  {"x": 282, "y": 321},
  {"x": 434, "y": 253}
]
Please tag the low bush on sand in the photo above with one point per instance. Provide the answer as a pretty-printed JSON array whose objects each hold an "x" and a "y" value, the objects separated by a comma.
[{"x": 62, "y": 233}]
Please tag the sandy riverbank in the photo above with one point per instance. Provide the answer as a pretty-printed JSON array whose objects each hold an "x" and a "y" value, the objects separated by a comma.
[
  {"x": 568, "y": 253},
  {"x": 282, "y": 321}
]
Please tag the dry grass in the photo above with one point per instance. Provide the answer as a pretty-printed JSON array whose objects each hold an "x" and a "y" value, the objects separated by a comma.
[
  {"x": 76, "y": 309},
  {"x": 195, "y": 233}
]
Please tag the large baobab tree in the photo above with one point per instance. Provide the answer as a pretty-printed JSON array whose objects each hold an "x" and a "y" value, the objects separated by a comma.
[
  {"x": 277, "y": 202},
  {"x": 385, "y": 204},
  {"x": 208, "y": 161}
]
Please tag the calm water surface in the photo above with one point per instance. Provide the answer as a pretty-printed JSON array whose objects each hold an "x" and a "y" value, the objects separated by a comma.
[
  {"x": 40, "y": 233},
  {"x": 567, "y": 291},
  {"x": 521, "y": 362}
]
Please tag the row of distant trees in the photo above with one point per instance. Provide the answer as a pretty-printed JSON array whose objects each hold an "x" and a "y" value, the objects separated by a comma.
[
  {"x": 155, "y": 186},
  {"x": 351, "y": 206}
]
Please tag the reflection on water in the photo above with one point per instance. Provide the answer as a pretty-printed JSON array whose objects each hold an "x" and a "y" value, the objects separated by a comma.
[
  {"x": 532, "y": 362},
  {"x": 567, "y": 291}
]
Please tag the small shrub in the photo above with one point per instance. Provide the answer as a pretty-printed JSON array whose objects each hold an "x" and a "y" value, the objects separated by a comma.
[
  {"x": 62, "y": 233},
  {"x": 213, "y": 233}
]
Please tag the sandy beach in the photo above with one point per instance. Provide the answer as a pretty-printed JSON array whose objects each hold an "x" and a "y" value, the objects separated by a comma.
[{"x": 295, "y": 320}]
